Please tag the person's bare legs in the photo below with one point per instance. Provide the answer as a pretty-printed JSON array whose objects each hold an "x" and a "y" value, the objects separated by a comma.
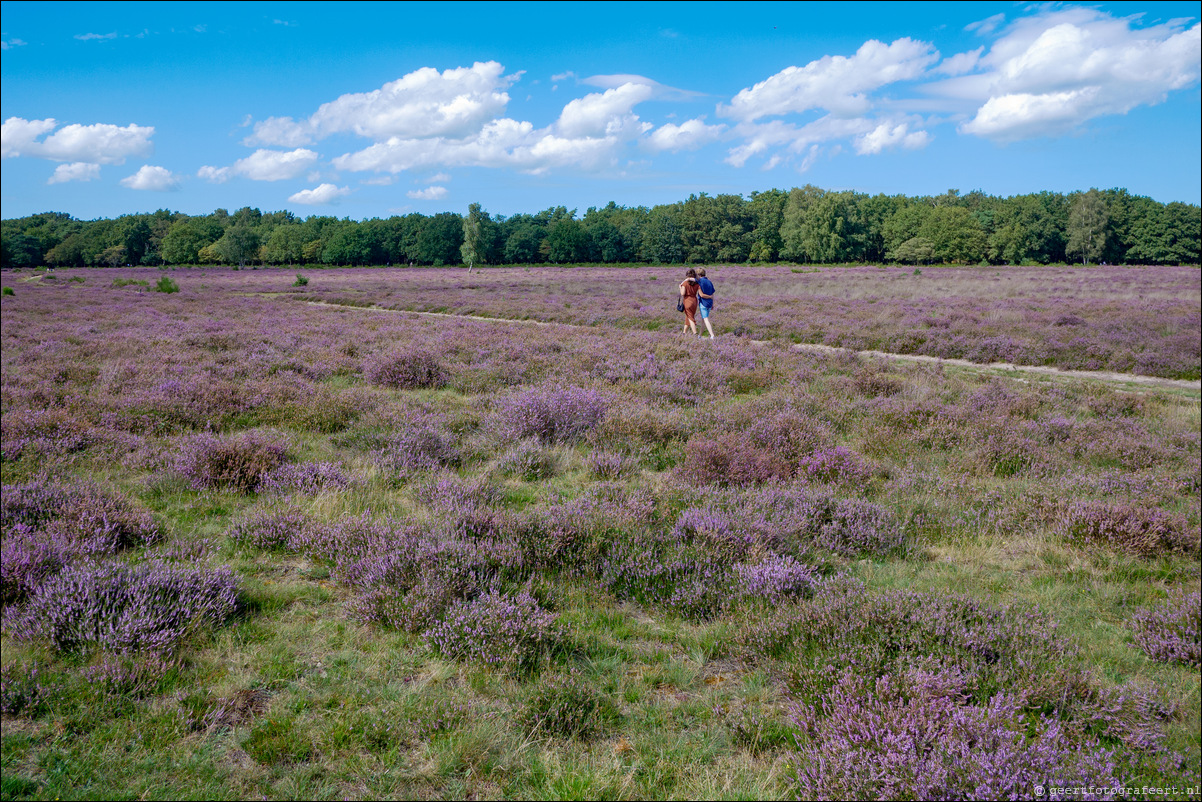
[{"x": 708, "y": 327}]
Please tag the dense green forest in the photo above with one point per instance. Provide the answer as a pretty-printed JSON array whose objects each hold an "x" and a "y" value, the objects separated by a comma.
[{"x": 803, "y": 225}]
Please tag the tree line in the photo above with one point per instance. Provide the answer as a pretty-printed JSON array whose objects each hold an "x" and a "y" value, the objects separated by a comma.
[{"x": 803, "y": 225}]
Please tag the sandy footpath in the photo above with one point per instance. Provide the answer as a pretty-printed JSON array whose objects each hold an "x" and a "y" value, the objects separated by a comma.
[{"x": 1092, "y": 375}]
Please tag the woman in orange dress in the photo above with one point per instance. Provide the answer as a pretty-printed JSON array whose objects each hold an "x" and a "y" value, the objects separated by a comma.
[{"x": 688, "y": 296}]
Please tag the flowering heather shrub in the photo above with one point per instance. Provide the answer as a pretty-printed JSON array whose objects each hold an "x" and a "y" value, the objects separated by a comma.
[
  {"x": 568, "y": 708},
  {"x": 1169, "y": 632},
  {"x": 447, "y": 491},
  {"x": 1006, "y": 450},
  {"x": 26, "y": 560},
  {"x": 412, "y": 369},
  {"x": 414, "y": 607},
  {"x": 1131, "y": 714},
  {"x": 609, "y": 465},
  {"x": 843, "y": 624},
  {"x": 238, "y": 463},
  {"x": 730, "y": 459},
  {"x": 774, "y": 579},
  {"x": 135, "y": 677},
  {"x": 496, "y": 629},
  {"x": 860, "y": 527},
  {"x": 836, "y": 464},
  {"x": 791, "y": 434},
  {"x": 873, "y": 381},
  {"x": 687, "y": 569},
  {"x": 272, "y": 529},
  {"x": 712, "y": 531},
  {"x": 1137, "y": 529},
  {"x": 914, "y": 735},
  {"x": 552, "y": 415},
  {"x": 305, "y": 477},
  {"x": 125, "y": 608},
  {"x": 420, "y": 447},
  {"x": 785, "y": 518},
  {"x": 631, "y": 425},
  {"x": 529, "y": 460},
  {"x": 24, "y": 690},
  {"x": 42, "y": 431},
  {"x": 48, "y": 524},
  {"x": 83, "y": 514}
]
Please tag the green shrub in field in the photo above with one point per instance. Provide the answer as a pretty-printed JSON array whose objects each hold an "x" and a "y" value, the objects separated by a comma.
[
  {"x": 165, "y": 284},
  {"x": 300, "y": 281},
  {"x": 7, "y": 291},
  {"x": 125, "y": 282},
  {"x": 568, "y": 708}
]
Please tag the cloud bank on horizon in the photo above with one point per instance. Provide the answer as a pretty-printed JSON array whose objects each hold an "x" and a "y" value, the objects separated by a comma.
[{"x": 1048, "y": 74}]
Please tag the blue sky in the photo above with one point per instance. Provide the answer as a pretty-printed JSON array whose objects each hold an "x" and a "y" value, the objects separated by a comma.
[{"x": 365, "y": 110}]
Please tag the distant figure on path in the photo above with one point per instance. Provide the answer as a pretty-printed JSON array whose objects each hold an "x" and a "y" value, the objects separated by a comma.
[
  {"x": 688, "y": 298},
  {"x": 705, "y": 292}
]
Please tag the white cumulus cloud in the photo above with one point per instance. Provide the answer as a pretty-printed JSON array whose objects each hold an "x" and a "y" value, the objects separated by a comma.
[
  {"x": 263, "y": 165},
  {"x": 216, "y": 175},
  {"x": 429, "y": 193},
  {"x": 689, "y": 135},
  {"x": 607, "y": 113},
  {"x": 1049, "y": 73},
  {"x": 455, "y": 103},
  {"x": 100, "y": 143},
  {"x": 153, "y": 178},
  {"x": 75, "y": 171},
  {"x": 319, "y": 195},
  {"x": 834, "y": 83},
  {"x": 886, "y": 136},
  {"x": 87, "y": 37}
]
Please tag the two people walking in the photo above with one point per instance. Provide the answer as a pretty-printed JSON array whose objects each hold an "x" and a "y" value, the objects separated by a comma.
[{"x": 696, "y": 298}]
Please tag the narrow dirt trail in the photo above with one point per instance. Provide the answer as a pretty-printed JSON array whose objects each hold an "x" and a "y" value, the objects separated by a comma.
[{"x": 1133, "y": 381}]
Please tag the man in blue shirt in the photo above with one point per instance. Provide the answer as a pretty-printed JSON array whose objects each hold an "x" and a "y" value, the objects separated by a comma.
[{"x": 705, "y": 297}]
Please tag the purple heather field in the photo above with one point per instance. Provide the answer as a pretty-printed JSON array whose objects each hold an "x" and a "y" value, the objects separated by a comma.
[{"x": 925, "y": 583}]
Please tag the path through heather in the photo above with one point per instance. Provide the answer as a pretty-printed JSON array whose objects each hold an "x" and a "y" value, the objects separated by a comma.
[{"x": 1006, "y": 367}]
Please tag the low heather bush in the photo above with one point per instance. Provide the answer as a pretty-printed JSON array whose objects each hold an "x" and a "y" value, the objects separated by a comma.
[
  {"x": 843, "y": 624},
  {"x": 420, "y": 447},
  {"x": 306, "y": 477},
  {"x": 1006, "y": 450},
  {"x": 552, "y": 415},
  {"x": 687, "y": 569},
  {"x": 83, "y": 513},
  {"x": 838, "y": 464},
  {"x": 130, "y": 676},
  {"x": 238, "y": 463},
  {"x": 1169, "y": 632},
  {"x": 26, "y": 560},
  {"x": 414, "y": 606},
  {"x": 528, "y": 459},
  {"x": 915, "y": 736},
  {"x": 272, "y": 529},
  {"x": 43, "y": 432},
  {"x": 496, "y": 629},
  {"x": 26, "y": 690},
  {"x": 857, "y": 527},
  {"x": 125, "y": 608},
  {"x": 731, "y": 459},
  {"x": 774, "y": 579},
  {"x": 568, "y": 708},
  {"x": 413, "y": 369},
  {"x": 609, "y": 465},
  {"x": 1138, "y": 529},
  {"x": 48, "y": 524}
]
